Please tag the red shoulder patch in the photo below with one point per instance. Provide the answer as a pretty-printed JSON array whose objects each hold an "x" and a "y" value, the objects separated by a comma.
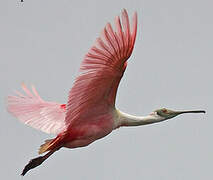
[{"x": 63, "y": 106}]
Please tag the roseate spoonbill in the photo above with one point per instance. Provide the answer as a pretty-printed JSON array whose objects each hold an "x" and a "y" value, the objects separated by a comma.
[{"x": 90, "y": 112}]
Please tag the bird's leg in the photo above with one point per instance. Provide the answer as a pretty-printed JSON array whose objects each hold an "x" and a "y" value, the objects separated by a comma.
[{"x": 37, "y": 161}]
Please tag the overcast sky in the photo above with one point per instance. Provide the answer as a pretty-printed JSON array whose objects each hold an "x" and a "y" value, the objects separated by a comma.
[{"x": 42, "y": 42}]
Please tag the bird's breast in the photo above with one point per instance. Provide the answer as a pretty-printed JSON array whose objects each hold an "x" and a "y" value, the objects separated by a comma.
[{"x": 86, "y": 132}]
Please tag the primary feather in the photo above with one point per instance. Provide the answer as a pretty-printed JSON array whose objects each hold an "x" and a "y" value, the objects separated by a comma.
[
  {"x": 32, "y": 110},
  {"x": 94, "y": 91},
  {"x": 92, "y": 97},
  {"x": 90, "y": 113}
]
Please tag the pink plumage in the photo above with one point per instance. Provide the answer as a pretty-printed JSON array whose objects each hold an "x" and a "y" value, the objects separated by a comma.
[
  {"x": 101, "y": 71},
  {"x": 32, "y": 110},
  {"x": 90, "y": 111}
]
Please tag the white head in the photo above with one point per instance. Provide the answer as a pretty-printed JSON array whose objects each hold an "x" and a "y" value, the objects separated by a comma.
[
  {"x": 124, "y": 119},
  {"x": 164, "y": 113}
]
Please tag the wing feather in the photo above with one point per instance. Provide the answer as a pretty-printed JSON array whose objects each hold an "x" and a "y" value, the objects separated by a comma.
[
  {"x": 94, "y": 90},
  {"x": 32, "y": 110}
]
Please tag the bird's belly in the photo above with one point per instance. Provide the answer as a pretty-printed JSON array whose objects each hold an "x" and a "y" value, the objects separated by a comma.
[
  {"x": 87, "y": 134},
  {"x": 78, "y": 143}
]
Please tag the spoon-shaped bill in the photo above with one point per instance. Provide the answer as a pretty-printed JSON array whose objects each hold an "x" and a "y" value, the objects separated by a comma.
[{"x": 195, "y": 111}]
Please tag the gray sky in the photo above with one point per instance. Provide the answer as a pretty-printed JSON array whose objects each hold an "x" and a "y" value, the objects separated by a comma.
[{"x": 43, "y": 43}]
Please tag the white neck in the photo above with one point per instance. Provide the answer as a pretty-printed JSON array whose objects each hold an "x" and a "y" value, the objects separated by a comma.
[{"x": 124, "y": 119}]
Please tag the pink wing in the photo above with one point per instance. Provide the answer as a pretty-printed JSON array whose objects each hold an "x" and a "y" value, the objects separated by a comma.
[
  {"x": 94, "y": 91},
  {"x": 48, "y": 117}
]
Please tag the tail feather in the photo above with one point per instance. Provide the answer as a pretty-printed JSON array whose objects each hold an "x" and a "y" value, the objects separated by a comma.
[
  {"x": 44, "y": 147},
  {"x": 50, "y": 144}
]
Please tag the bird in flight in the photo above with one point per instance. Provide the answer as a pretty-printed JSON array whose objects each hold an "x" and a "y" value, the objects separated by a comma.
[{"x": 90, "y": 113}]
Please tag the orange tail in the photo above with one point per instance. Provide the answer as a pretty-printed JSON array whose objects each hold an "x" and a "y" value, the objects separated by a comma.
[
  {"x": 44, "y": 147},
  {"x": 50, "y": 144}
]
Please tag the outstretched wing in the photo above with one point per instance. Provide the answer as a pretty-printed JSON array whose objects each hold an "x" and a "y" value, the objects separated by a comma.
[
  {"x": 30, "y": 109},
  {"x": 94, "y": 90}
]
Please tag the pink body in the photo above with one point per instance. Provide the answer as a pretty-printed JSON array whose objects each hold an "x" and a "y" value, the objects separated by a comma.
[{"x": 90, "y": 113}]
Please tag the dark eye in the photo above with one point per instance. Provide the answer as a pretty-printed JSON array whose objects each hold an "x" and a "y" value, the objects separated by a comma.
[{"x": 158, "y": 113}]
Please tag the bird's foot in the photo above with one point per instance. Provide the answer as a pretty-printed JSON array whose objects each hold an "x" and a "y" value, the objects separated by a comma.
[{"x": 32, "y": 164}]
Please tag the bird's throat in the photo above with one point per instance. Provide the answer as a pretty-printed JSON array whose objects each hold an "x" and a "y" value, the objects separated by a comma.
[{"x": 124, "y": 119}]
